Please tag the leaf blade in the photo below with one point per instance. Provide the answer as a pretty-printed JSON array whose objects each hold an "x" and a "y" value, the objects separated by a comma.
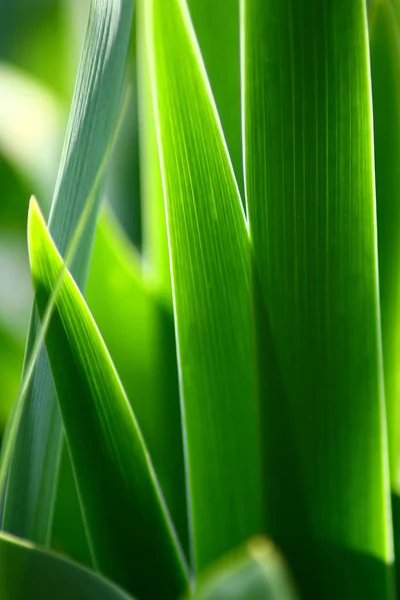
[
  {"x": 30, "y": 459},
  {"x": 27, "y": 570},
  {"x": 209, "y": 264},
  {"x": 310, "y": 192},
  {"x": 139, "y": 335},
  {"x": 385, "y": 73},
  {"x": 110, "y": 459}
]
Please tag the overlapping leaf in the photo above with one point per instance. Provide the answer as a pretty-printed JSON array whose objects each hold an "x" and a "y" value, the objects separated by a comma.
[
  {"x": 139, "y": 335},
  {"x": 31, "y": 453},
  {"x": 209, "y": 260},
  {"x": 130, "y": 531}
]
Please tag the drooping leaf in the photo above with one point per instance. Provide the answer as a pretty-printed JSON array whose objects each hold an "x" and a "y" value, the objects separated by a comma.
[
  {"x": 28, "y": 572},
  {"x": 30, "y": 456},
  {"x": 139, "y": 334},
  {"x": 255, "y": 571},
  {"x": 308, "y": 148},
  {"x": 385, "y": 73},
  {"x": 209, "y": 264},
  {"x": 130, "y": 531}
]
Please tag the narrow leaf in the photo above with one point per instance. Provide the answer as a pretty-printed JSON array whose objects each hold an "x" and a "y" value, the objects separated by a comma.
[
  {"x": 129, "y": 528},
  {"x": 308, "y": 148},
  {"x": 155, "y": 242},
  {"x": 209, "y": 253},
  {"x": 139, "y": 334},
  {"x": 385, "y": 72},
  {"x": 30, "y": 458}
]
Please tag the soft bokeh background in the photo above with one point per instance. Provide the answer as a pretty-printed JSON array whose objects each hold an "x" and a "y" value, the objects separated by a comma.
[{"x": 40, "y": 43}]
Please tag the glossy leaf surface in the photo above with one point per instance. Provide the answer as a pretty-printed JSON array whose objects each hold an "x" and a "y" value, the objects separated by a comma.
[
  {"x": 30, "y": 458},
  {"x": 308, "y": 145},
  {"x": 209, "y": 264},
  {"x": 129, "y": 530}
]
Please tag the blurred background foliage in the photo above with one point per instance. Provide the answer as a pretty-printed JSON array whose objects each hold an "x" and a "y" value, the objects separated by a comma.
[{"x": 40, "y": 44}]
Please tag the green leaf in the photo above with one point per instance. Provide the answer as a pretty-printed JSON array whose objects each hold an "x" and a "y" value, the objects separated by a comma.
[
  {"x": 254, "y": 572},
  {"x": 308, "y": 148},
  {"x": 11, "y": 357},
  {"x": 385, "y": 72},
  {"x": 139, "y": 334},
  {"x": 68, "y": 534},
  {"x": 28, "y": 572},
  {"x": 30, "y": 456},
  {"x": 209, "y": 253},
  {"x": 128, "y": 524},
  {"x": 155, "y": 242},
  {"x": 216, "y": 23}
]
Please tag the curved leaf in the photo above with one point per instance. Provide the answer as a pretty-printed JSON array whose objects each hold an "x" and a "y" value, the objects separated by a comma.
[
  {"x": 30, "y": 456},
  {"x": 28, "y": 572},
  {"x": 129, "y": 527},
  {"x": 139, "y": 334}
]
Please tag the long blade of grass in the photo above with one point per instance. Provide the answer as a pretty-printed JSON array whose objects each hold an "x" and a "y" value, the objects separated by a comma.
[
  {"x": 155, "y": 243},
  {"x": 139, "y": 334},
  {"x": 255, "y": 571},
  {"x": 31, "y": 455},
  {"x": 28, "y": 572},
  {"x": 130, "y": 529},
  {"x": 385, "y": 73},
  {"x": 216, "y": 23},
  {"x": 209, "y": 262},
  {"x": 308, "y": 145}
]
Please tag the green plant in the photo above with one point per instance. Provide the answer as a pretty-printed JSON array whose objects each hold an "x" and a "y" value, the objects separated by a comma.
[{"x": 239, "y": 377}]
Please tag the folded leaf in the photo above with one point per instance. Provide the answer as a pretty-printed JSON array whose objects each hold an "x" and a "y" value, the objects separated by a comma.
[
  {"x": 28, "y": 572},
  {"x": 129, "y": 528}
]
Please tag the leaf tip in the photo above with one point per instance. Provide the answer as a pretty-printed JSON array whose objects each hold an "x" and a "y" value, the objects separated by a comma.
[{"x": 36, "y": 226}]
